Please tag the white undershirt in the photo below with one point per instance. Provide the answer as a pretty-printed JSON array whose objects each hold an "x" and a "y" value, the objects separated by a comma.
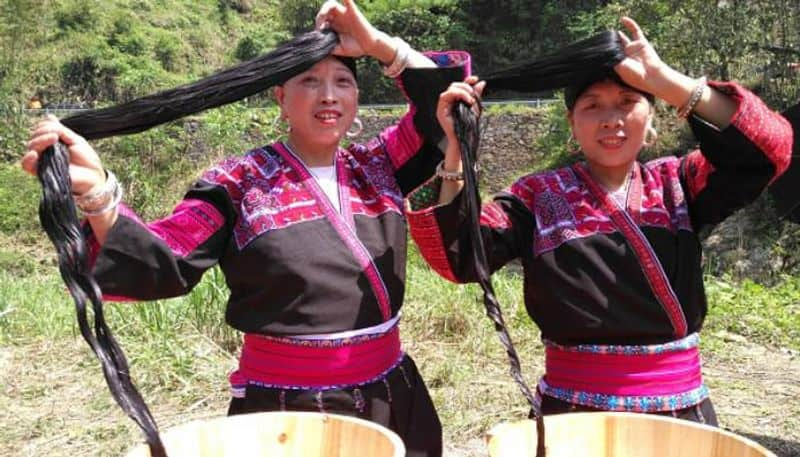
[{"x": 326, "y": 177}]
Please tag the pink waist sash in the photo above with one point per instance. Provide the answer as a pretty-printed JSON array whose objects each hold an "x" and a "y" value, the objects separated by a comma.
[
  {"x": 316, "y": 364},
  {"x": 657, "y": 373}
]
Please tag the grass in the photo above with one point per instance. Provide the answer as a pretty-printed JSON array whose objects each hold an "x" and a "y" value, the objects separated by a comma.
[{"x": 181, "y": 351}]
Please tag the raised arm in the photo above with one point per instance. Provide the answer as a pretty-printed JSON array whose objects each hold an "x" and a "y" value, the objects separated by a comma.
[
  {"x": 744, "y": 146},
  {"x": 357, "y": 37}
]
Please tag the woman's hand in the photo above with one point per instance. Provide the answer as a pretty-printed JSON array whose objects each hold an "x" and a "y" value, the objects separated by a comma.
[
  {"x": 642, "y": 68},
  {"x": 357, "y": 37},
  {"x": 85, "y": 169},
  {"x": 468, "y": 91}
]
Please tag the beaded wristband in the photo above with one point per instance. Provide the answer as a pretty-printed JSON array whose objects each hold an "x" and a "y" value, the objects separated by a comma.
[
  {"x": 448, "y": 175},
  {"x": 400, "y": 61},
  {"x": 697, "y": 93}
]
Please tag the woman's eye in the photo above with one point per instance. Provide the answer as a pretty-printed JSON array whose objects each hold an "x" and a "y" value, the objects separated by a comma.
[{"x": 310, "y": 80}]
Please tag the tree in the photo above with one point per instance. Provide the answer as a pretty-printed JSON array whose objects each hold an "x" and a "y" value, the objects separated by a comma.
[{"x": 17, "y": 19}]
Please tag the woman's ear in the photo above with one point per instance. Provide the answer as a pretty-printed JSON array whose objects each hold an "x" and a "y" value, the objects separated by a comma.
[
  {"x": 571, "y": 120},
  {"x": 278, "y": 91}
]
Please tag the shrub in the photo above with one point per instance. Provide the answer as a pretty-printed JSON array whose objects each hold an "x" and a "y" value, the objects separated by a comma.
[
  {"x": 19, "y": 196},
  {"x": 78, "y": 16}
]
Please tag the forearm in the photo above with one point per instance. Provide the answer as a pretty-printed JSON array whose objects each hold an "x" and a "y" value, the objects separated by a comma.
[
  {"x": 385, "y": 48},
  {"x": 102, "y": 223},
  {"x": 676, "y": 89},
  {"x": 452, "y": 163}
]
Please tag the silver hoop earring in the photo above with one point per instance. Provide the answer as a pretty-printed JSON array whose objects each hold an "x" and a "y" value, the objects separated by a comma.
[
  {"x": 359, "y": 128},
  {"x": 650, "y": 137}
]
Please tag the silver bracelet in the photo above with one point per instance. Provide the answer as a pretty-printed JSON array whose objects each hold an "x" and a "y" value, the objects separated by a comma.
[
  {"x": 101, "y": 199},
  {"x": 697, "y": 93},
  {"x": 448, "y": 175},
  {"x": 400, "y": 61}
]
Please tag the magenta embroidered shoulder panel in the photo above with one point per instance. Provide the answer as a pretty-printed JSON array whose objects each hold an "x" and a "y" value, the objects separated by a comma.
[
  {"x": 373, "y": 186},
  {"x": 564, "y": 209},
  {"x": 268, "y": 194}
]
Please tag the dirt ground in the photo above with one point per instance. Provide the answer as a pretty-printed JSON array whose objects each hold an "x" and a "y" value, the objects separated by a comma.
[{"x": 54, "y": 403}]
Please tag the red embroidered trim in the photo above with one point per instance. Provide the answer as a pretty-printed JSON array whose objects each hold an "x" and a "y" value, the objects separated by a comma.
[
  {"x": 698, "y": 169},
  {"x": 399, "y": 142},
  {"x": 769, "y": 131},
  {"x": 425, "y": 232},
  {"x": 494, "y": 217},
  {"x": 634, "y": 198},
  {"x": 368, "y": 179},
  {"x": 647, "y": 258},
  {"x": 190, "y": 225}
]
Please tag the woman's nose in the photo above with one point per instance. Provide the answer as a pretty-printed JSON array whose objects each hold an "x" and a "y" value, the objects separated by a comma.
[
  {"x": 328, "y": 93},
  {"x": 611, "y": 119}
]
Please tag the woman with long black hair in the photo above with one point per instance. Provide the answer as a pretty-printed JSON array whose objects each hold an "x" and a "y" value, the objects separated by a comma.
[
  {"x": 610, "y": 246},
  {"x": 310, "y": 236}
]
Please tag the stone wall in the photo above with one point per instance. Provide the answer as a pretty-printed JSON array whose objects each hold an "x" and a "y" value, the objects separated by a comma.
[{"x": 507, "y": 148}]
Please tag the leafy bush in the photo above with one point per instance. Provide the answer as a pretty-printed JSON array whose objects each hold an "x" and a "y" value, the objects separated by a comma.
[
  {"x": 13, "y": 132},
  {"x": 126, "y": 38},
  {"x": 89, "y": 77},
  {"x": 78, "y": 16},
  {"x": 168, "y": 50}
]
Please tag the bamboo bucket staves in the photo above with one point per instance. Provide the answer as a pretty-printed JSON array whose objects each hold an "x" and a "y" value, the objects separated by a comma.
[
  {"x": 605, "y": 434},
  {"x": 279, "y": 434}
]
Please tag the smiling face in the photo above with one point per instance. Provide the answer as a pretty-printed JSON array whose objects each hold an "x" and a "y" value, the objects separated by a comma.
[
  {"x": 319, "y": 105},
  {"x": 610, "y": 122}
]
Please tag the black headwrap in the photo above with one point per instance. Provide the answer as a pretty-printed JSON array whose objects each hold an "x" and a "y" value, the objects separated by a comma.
[
  {"x": 573, "y": 91},
  {"x": 581, "y": 61},
  {"x": 350, "y": 63}
]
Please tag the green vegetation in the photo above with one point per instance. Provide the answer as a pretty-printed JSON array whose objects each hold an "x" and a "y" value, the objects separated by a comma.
[
  {"x": 181, "y": 351},
  {"x": 96, "y": 54}
]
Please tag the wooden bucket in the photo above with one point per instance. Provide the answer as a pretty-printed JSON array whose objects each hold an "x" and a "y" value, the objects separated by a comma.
[
  {"x": 279, "y": 434},
  {"x": 620, "y": 435}
]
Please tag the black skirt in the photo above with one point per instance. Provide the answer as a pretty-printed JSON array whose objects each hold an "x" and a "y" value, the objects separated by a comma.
[{"x": 399, "y": 402}]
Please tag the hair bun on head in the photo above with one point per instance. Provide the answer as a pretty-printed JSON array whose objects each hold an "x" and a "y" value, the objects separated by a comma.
[
  {"x": 581, "y": 61},
  {"x": 573, "y": 91},
  {"x": 350, "y": 63}
]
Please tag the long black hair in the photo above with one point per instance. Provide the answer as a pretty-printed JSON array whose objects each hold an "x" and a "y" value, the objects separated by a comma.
[
  {"x": 57, "y": 212},
  {"x": 574, "y": 66}
]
